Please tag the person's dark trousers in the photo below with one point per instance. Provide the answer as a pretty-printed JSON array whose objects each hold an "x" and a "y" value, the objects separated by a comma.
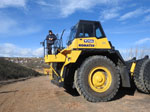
[{"x": 49, "y": 46}]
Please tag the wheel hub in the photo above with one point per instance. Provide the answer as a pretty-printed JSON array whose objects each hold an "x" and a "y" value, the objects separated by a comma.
[{"x": 98, "y": 79}]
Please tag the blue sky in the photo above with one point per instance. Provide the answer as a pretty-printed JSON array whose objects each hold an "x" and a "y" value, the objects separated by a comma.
[{"x": 25, "y": 23}]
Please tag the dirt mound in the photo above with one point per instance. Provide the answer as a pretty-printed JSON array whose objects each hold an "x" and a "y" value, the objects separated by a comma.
[{"x": 11, "y": 70}]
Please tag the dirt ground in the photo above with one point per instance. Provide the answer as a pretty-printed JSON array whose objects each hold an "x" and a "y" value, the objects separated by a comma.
[{"x": 39, "y": 95}]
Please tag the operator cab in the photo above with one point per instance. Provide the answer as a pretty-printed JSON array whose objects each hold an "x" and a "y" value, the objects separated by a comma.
[{"x": 85, "y": 29}]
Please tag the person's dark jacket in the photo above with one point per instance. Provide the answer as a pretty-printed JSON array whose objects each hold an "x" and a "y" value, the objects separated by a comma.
[{"x": 51, "y": 42}]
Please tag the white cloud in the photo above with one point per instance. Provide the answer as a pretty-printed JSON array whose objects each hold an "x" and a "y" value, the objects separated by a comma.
[
  {"x": 70, "y": 6},
  {"x": 11, "y": 50},
  {"x": 131, "y": 14},
  {"x": 38, "y": 52},
  {"x": 142, "y": 41},
  {"x": 109, "y": 14},
  {"x": 44, "y": 3},
  {"x": 146, "y": 19},
  {"x": 132, "y": 5},
  {"x": 134, "y": 14},
  {"x": 147, "y": 11},
  {"x": 12, "y": 3}
]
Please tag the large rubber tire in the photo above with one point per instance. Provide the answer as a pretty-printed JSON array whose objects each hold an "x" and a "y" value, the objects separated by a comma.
[
  {"x": 82, "y": 84},
  {"x": 147, "y": 75},
  {"x": 139, "y": 76}
]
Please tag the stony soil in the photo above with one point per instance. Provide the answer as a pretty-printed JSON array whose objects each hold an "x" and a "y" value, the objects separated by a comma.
[{"x": 39, "y": 95}]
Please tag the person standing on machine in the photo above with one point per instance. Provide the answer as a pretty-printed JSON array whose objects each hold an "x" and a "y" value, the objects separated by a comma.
[{"x": 50, "y": 38}]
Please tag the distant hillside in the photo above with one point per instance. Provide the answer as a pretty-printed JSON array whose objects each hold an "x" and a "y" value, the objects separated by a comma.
[
  {"x": 34, "y": 63},
  {"x": 12, "y": 70}
]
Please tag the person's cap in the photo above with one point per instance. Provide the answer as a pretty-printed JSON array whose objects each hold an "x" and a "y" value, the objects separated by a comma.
[{"x": 50, "y": 31}]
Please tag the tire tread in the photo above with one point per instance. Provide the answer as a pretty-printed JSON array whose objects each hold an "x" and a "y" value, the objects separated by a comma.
[{"x": 78, "y": 82}]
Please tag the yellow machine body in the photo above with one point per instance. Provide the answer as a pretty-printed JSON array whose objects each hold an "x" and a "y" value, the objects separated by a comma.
[
  {"x": 73, "y": 51},
  {"x": 72, "y": 55},
  {"x": 94, "y": 44},
  {"x": 69, "y": 55},
  {"x": 91, "y": 64}
]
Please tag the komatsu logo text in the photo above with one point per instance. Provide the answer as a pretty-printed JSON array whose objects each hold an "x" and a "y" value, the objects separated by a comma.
[{"x": 86, "y": 45}]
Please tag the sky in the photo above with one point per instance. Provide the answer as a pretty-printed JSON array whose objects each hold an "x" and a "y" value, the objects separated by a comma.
[{"x": 25, "y": 23}]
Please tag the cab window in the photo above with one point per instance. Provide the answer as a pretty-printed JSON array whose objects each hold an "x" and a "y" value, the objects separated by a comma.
[
  {"x": 86, "y": 30},
  {"x": 98, "y": 33},
  {"x": 72, "y": 35}
]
